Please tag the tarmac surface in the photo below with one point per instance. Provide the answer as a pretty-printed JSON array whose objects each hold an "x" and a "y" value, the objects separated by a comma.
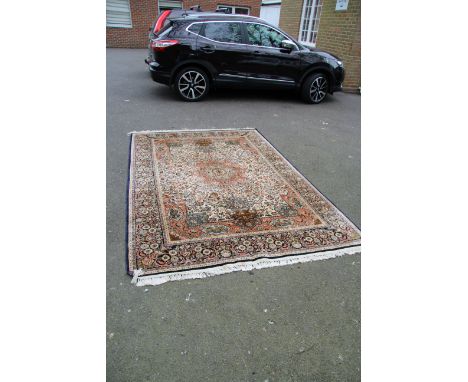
[{"x": 290, "y": 323}]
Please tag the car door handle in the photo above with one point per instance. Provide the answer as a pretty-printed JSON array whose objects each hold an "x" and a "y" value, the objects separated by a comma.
[{"x": 208, "y": 48}]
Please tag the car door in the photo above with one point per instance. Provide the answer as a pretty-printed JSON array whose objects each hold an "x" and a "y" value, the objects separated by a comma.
[
  {"x": 221, "y": 43},
  {"x": 268, "y": 62}
]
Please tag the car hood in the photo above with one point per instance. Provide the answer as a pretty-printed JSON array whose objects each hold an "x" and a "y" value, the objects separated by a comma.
[{"x": 320, "y": 52}]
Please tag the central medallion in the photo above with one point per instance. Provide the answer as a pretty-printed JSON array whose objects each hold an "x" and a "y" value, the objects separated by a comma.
[{"x": 220, "y": 171}]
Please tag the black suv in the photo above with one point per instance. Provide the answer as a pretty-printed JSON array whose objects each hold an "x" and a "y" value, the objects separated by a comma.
[{"x": 195, "y": 51}]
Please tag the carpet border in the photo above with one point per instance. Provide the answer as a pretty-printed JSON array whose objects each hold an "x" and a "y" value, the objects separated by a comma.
[
  {"x": 171, "y": 275},
  {"x": 308, "y": 181},
  {"x": 242, "y": 266},
  {"x": 130, "y": 268}
]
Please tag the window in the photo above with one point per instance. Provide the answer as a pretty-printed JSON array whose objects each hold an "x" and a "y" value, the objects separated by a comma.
[
  {"x": 264, "y": 36},
  {"x": 310, "y": 21},
  {"x": 118, "y": 14},
  {"x": 164, "y": 31},
  {"x": 195, "y": 28},
  {"x": 165, "y": 5},
  {"x": 235, "y": 10},
  {"x": 223, "y": 32}
]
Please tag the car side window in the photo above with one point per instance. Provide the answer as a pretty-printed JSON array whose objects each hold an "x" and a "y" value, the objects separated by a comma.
[
  {"x": 264, "y": 36},
  {"x": 195, "y": 28},
  {"x": 223, "y": 32}
]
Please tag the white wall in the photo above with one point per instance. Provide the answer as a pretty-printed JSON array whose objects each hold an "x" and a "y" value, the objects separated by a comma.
[{"x": 270, "y": 13}]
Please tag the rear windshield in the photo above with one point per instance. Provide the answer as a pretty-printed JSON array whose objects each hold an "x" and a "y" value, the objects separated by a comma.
[{"x": 165, "y": 29}]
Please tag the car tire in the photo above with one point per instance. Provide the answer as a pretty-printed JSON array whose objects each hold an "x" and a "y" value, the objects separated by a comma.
[
  {"x": 315, "y": 88},
  {"x": 192, "y": 84}
]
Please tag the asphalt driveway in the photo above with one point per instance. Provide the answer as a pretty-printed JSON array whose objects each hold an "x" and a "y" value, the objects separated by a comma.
[{"x": 291, "y": 323}]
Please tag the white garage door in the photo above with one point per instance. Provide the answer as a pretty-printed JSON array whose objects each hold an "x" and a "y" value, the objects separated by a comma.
[{"x": 271, "y": 12}]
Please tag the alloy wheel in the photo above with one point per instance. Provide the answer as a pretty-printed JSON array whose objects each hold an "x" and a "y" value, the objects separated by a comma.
[
  {"x": 318, "y": 89},
  {"x": 192, "y": 85}
]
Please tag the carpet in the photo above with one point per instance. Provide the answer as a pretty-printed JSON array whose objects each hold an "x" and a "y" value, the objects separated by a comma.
[{"x": 208, "y": 202}]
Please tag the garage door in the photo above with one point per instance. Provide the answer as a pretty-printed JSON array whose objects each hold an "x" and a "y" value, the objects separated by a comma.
[{"x": 270, "y": 12}]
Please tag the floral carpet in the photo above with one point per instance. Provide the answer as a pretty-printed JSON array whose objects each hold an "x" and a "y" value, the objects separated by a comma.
[{"x": 205, "y": 199}]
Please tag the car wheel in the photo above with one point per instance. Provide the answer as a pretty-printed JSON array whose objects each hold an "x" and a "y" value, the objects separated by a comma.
[
  {"x": 315, "y": 88},
  {"x": 192, "y": 84}
]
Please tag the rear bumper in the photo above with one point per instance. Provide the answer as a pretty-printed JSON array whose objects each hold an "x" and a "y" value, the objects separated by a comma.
[{"x": 158, "y": 74}]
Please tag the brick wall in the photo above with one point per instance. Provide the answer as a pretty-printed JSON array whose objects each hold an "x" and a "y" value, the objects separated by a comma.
[
  {"x": 339, "y": 33},
  {"x": 290, "y": 16},
  {"x": 144, "y": 12},
  {"x": 210, "y": 5}
]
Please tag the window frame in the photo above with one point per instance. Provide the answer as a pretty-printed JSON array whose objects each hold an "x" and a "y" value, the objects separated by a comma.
[
  {"x": 202, "y": 30},
  {"x": 245, "y": 40},
  {"x": 170, "y": 5},
  {"x": 202, "y": 27},
  {"x": 234, "y": 7},
  {"x": 312, "y": 28},
  {"x": 269, "y": 27},
  {"x": 126, "y": 26}
]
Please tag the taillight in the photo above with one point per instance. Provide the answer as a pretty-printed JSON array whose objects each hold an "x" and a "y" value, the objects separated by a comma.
[
  {"x": 160, "y": 22},
  {"x": 160, "y": 45}
]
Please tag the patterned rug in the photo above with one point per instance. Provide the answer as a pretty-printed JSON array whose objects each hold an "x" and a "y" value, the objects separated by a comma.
[{"x": 209, "y": 202}]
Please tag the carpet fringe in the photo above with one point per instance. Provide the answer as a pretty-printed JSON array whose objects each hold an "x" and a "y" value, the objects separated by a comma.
[
  {"x": 172, "y": 131},
  {"x": 141, "y": 280},
  {"x": 136, "y": 274}
]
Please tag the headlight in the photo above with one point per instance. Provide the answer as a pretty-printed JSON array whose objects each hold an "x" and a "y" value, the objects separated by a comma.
[{"x": 339, "y": 63}]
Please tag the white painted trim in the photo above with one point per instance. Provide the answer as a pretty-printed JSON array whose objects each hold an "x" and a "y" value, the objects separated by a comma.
[
  {"x": 309, "y": 32},
  {"x": 315, "y": 4},
  {"x": 308, "y": 44},
  {"x": 141, "y": 280},
  {"x": 119, "y": 26},
  {"x": 304, "y": 2},
  {"x": 174, "y": 4},
  {"x": 221, "y": 6}
]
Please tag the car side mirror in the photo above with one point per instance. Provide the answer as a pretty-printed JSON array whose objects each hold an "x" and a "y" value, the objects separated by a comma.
[{"x": 287, "y": 45}]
